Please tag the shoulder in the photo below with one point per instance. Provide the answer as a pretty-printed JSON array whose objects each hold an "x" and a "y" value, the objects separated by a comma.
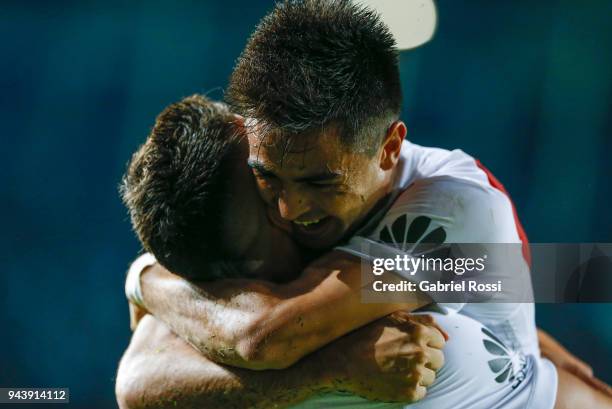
[{"x": 466, "y": 210}]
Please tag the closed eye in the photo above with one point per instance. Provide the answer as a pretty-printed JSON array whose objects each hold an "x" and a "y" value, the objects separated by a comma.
[
  {"x": 329, "y": 186},
  {"x": 263, "y": 174},
  {"x": 321, "y": 184}
]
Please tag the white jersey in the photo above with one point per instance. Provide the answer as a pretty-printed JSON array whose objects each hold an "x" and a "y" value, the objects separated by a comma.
[{"x": 449, "y": 197}]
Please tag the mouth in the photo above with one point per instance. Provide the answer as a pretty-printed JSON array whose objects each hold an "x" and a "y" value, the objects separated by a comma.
[
  {"x": 307, "y": 223},
  {"x": 312, "y": 227},
  {"x": 309, "y": 232}
]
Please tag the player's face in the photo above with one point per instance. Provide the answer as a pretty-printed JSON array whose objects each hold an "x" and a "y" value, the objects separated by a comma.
[
  {"x": 270, "y": 251},
  {"x": 314, "y": 187}
]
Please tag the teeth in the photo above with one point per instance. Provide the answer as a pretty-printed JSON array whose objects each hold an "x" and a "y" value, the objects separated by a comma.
[{"x": 308, "y": 223}]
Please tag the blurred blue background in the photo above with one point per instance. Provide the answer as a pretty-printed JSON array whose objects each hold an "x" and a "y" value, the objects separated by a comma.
[{"x": 526, "y": 87}]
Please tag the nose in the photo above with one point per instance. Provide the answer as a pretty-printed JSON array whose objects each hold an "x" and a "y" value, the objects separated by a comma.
[{"x": 292, "y": 204}]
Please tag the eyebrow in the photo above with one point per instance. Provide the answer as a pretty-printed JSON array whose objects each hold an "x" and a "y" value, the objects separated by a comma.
[
  {"x": 260, "y": 167},
  {"x": 324, "y": 176}
]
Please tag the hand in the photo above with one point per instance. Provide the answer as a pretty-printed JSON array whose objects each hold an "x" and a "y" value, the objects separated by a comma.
[
  {"x": 392, "y": 359},
  {"x": 564, "y": 359},
  {"x": 136, "y": 314}
]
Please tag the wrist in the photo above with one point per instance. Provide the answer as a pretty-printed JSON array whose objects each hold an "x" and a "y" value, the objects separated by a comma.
[{"x": 133, "y": 289}]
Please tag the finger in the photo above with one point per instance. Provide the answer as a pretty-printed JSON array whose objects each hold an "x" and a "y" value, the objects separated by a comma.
[
  {"x": 583, "y": 372},
  {"x": 588, "y": 369},
  {"x": 425, "y": 319},
  {"x": 442, "y": 331},
  {"x": 600, "y": 386},
  {"x": 431, "y": 322},
  {"x": 435, "y": 339},
  {"x": 578, "y": 368},
  {"x": 413, "y": 356},
  {"x": 435, "y": 359},
  {"x": 401, "y": 316},
  {"x": 427, "y": 376},
  {"x": 416, "y": 393}
]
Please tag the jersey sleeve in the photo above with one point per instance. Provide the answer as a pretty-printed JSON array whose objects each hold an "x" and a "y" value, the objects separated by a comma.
[{"x": 436, "y": 213}]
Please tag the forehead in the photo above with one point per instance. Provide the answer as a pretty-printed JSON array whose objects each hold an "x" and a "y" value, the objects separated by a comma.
[{"x": 299, "y": 152}]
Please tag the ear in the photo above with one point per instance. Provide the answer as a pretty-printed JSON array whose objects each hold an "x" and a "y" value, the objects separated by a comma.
[
  {"x": 392, "y": 145},
  {"x": 239, "y": 121}
]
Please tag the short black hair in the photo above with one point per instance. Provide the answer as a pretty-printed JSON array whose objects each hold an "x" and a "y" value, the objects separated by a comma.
[
  {"x": 315, "y": 63},
  {"x": 175, "y": 187}
]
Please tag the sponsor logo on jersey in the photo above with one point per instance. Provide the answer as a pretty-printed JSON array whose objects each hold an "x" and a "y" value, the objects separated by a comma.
[
  {"x": 407, "y": 238},
  {"x": 507, "y": 365}
]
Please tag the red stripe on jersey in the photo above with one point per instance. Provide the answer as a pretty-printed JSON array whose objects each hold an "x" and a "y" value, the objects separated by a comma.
[{"x": 519, "y": 227}]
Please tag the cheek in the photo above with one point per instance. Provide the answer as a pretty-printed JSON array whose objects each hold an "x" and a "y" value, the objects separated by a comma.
[
  {"x": 340, "y": 205},
  {"x": 349, "y": 203},
  {"x": 366, "y": 182}
]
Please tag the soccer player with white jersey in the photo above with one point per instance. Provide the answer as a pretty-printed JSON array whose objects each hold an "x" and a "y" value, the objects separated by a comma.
[{"x": 442, "y": 196}]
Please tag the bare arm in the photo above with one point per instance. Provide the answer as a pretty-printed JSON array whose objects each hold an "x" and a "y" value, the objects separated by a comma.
[
  {"x": 565, "y": 360},
  {"x": 260, "y": 325},
  {"x": 160, "y": 370}
]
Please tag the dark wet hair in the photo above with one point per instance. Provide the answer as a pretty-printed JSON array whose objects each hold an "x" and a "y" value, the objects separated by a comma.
[{"x": 175, "y": 185}]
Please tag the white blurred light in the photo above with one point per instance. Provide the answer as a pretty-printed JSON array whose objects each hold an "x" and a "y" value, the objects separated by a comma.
[{"x": 412, "y": 22}]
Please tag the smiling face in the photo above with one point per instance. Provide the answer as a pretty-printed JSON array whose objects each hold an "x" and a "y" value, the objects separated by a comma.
[
  {"x": 310, "y": 66},
  {"x": 318, "y": 189},
  {"x": 248, "y": 232}
]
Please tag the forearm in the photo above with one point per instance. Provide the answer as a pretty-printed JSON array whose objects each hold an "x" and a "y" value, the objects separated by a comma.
[
  {"x": 258, "y": 325},
  {"x": 215, "y": 322},
  {"x": 159, "y": 370},
  {"x": 322, "y": 306}
]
